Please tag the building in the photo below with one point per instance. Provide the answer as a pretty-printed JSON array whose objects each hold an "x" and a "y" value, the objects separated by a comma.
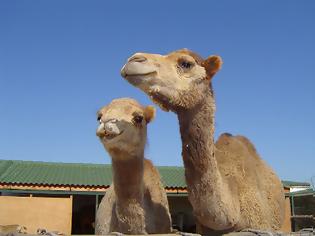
[
  {"x": 303, "y": 209},
  {"x": 65, "y": 196}
]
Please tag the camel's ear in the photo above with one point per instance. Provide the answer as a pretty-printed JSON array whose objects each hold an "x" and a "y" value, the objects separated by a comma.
[
  {"x": 212, "y": 65},
  {"x": 149, "y": 113}
]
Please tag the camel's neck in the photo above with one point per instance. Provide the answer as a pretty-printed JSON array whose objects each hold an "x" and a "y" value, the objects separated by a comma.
[
  {"x": 129, "y": 190},
  {"x": 197, "y": 131},
  {"x": 207, "y": 192},
  {"x": 128, "y": 178}
]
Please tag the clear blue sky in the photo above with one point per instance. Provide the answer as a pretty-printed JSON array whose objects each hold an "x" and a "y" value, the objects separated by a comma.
[{"x": 60, "y": 62}]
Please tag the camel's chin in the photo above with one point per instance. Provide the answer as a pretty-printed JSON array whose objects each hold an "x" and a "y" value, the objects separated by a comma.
[
  {"x": 161, "y": 105},
  {"x": 141, "y": 81},
  {"x": 135, "y": 80}
]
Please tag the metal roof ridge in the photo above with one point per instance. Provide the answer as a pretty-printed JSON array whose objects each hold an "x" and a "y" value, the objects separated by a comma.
[
  {"x": 179, "y": 167},
  {"x": 76, "y": 163},
  {"x": 294, "y": 183},
  {"x": 56, "y": 163}
]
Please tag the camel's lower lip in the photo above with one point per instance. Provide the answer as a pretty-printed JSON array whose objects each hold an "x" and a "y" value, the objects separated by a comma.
[
  {"x": 109, "y": 136},
  {"x": 139, "y": 75}
]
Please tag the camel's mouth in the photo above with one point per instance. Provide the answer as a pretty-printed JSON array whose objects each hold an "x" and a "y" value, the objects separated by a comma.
[
  {"x": 110, "y": 136},
  {"x": 109, "y": 130},
  {"x": 137, "y": 78},
  {"x": 139, "y": 74}
]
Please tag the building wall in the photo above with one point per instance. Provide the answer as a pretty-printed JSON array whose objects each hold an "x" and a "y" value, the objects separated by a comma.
[
  {"x": 286, "y": 227},
  {"x": 37, "y": 212}
]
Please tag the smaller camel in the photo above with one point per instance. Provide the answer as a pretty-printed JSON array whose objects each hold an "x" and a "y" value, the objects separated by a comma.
[{"x": 136, "y": 202}]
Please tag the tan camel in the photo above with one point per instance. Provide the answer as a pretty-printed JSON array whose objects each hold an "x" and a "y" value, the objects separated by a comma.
[
  {"x": 136, "y": 202},
  {"x": 230, "y": 187}
]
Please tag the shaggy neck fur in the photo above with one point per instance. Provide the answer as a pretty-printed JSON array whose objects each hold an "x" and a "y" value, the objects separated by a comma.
[
  {"x": 129, "y": 188},
  {"x": 207, "y": 192}
]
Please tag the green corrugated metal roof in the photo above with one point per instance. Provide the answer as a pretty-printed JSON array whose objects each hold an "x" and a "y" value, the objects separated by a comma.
[
  {"x": 46, "y": 173},
  {"x": 73, "y": 174},
  {"x": 295, "y": 184},
  {"x": 4, "y": 166},
  {"x": 79, "y": 174}
]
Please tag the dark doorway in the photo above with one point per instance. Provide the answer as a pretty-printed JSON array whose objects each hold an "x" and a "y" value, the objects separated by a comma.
[{"x": 83, "y": 216}]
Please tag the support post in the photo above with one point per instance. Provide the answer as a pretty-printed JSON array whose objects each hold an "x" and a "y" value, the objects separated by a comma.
[
  {"x": 96, "y": 207},
  {"x": 293, "y": 214}
]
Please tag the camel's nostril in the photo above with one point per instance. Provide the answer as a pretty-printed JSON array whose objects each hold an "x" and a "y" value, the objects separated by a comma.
[{"x": 137, "y": 58}]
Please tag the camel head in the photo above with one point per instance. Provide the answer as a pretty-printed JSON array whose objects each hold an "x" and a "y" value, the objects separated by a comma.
[
  {"x": 178, "y": 80},
  {"x": 123, "y": 126}
]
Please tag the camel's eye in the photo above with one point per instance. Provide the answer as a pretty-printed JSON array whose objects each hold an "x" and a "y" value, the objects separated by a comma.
[
  {"x": 138, "y": 119},
  {"x": 184, "y": 64},
  {"x": 99, "y": 116}
]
